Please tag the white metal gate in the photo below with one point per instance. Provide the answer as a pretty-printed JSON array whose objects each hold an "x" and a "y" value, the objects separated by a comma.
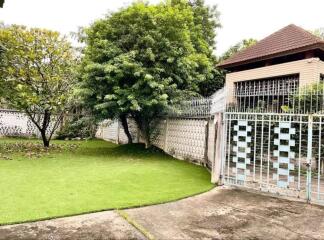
[{"x": 277, "y": 153}]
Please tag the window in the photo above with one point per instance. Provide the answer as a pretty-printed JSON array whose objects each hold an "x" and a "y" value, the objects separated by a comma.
[{"x": 269, "y": 93}]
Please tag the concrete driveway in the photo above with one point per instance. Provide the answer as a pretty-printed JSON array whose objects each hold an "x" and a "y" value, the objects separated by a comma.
[{"x": 219, "y": 214}]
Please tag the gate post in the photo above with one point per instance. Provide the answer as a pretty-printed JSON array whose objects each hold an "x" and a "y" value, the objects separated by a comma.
[
  {"x": 309, "y": 157},
  {"x": 206, "y": 142},
  {"x": 217, "y": 161}
]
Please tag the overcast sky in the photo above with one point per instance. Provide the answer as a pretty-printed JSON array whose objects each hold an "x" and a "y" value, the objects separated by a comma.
[{"x": 240, "y": 19}]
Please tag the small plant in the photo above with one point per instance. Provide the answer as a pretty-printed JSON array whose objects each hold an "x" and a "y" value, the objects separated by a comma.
[
  {"x": 83, "y": 128},
  {"x": 309, "y": 99}
]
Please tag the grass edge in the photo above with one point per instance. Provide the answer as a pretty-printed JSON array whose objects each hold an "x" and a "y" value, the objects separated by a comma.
[{"x": 107, "y": 209}]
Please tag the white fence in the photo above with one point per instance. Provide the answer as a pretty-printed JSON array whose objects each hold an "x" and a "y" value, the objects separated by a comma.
[
  {"x": 189, "y": 133},
  {"x": 15, "y": 123},
  {"x": 189, "y": 139},
  {"x": 111, "y": 130}
]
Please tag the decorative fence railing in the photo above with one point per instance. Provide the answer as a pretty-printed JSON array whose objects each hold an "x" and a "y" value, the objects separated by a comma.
[
  {"x": 192, "y": 108},
  {"x": 200, "y": 107},
  {"x": 307, "y": 99}
]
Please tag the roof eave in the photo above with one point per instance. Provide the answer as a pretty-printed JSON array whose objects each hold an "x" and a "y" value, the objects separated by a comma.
[{"x": 281, "y": 54}]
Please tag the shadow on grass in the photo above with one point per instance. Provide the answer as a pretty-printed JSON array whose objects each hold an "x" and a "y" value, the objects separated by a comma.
[{"x": 126, "y": 150}]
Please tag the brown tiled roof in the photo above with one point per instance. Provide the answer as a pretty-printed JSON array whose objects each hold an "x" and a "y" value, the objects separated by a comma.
[{"x": 288, "y": 40}]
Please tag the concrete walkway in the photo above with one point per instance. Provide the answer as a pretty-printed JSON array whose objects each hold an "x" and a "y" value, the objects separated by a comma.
[{"x": 219, "y": 214}]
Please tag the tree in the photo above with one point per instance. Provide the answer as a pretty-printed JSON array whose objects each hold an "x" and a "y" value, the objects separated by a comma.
[
  {"x": 319, "y": 32},
  {"x": 214, "y": 83},
  {"x": 142, "y": 59},
  {"x": 206, "y": 19},
  {"x": 240, "y": 46},
  {"x": 37, "y": 75}
]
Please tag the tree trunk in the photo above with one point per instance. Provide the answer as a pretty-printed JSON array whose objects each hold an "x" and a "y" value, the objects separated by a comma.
[
  {"x": 46, "y": 121},
  {"x": 44, "y": 138},
  {"x": 144, "y": 127},
  {"x": 124, "y": 123},
  {"x": 147, "y": 142},
  {"x": 35, "y": 118}
]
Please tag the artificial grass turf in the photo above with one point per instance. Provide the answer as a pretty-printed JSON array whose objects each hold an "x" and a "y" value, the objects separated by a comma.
[{"x": 96, "y": 176}]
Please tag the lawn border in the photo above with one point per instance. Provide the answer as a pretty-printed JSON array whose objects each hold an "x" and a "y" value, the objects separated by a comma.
[{"x": 107, "y": 209}]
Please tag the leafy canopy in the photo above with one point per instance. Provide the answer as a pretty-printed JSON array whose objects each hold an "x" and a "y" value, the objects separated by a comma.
[
  {"x": 206, "y": 21},
  {"x": 238, "y": 47},
  {"x": 144, "y": 58},
  {"x": 37, "y": 74},
  {"x": 319, "y": 32}
]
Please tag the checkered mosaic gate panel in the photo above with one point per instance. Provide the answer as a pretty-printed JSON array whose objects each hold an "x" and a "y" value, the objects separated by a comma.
[{"x": 278, "y": 153}]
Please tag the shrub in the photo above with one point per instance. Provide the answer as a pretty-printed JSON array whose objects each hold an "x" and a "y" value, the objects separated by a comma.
[{"x": 84, "y": 128}]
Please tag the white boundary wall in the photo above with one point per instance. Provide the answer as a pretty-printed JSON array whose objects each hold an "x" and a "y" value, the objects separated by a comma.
[
  {"x": 15, "y": 123},
  {"x": 196, "y": 138},
  {"x": 187, "y": 139}
]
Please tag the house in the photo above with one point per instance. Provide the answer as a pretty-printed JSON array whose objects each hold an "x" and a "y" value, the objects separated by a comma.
[{"x": 273, "y": 68}]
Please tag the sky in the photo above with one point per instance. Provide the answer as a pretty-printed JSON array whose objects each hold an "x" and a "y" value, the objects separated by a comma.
[{"x": 240, "y": 19}]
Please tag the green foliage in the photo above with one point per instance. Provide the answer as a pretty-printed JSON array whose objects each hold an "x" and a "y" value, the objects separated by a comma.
[
  {"x": 211, "y": 85},
  {"x": 206, "y": 21},
  {"x": 37, "y": 74},
  {"x": 308, "y": 99},
  {"x": 319, "y": 32},
  {"x": 245, "y": 43},
  {"x": 78, "y": 127},
  {"x": 144, "y": 58}
]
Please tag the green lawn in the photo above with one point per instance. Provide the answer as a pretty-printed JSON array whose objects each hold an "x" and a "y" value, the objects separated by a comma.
[{"x": 95, "y": 176}]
